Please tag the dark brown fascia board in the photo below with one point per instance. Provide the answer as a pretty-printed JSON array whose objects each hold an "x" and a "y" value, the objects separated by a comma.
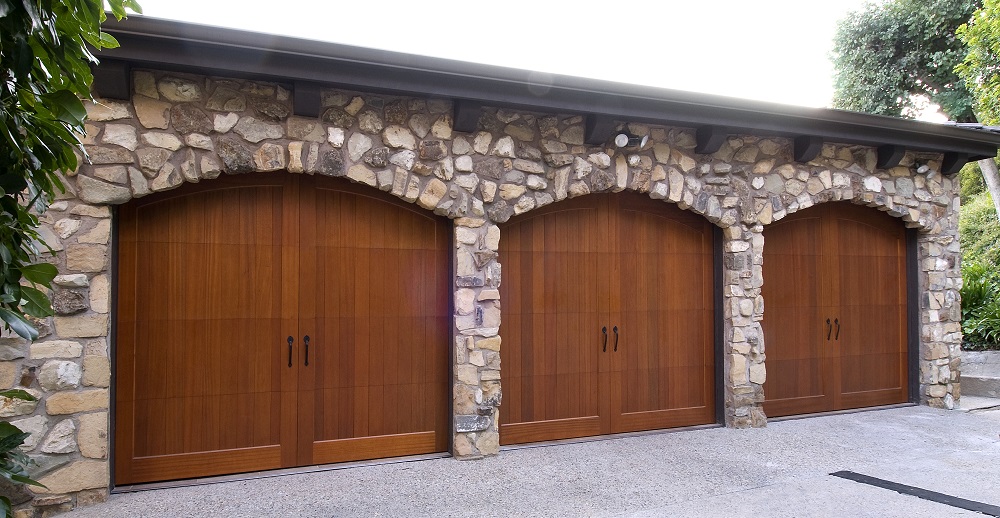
[{"x": 154, "y": 43}]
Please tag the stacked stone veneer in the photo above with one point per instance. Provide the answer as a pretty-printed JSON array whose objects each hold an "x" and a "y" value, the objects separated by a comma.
[{"x": 184, "y": 128}]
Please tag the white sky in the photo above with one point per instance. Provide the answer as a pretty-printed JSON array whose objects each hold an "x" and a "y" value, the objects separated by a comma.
[{"x": 772, "y": 50}]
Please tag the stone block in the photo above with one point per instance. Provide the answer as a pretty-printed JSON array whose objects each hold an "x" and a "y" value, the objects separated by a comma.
[
  {"x": 95, "y": 191},
  {"x": 77, "y": 476},
  {"x": 96, "y": 371},
  {"x": 10, "y": 407},
  {"x": 87, "y": 258},
  {"x": 100, "y": 297},
  {"x": 152, "y": 113},
  {"x": 8, "y": 374},
  {"x": 62, "y": 403},
  {"x": 82, "y": 326},
  {"x": 36, "y": 426},
  {"x": 93, "y": 435},
  {"x": 62, "y": 438},
  {"x": 60, "y": 375},
  {"x": 56, "y": 349}
]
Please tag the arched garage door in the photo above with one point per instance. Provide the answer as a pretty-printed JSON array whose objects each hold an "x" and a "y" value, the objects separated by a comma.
[
  {"x": 835, "y": 324},
  {"x": 276, "y": 321},
  {"x": 607, "y": 319}
]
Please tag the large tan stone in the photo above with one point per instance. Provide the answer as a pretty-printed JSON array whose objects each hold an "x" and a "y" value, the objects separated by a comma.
[
  {"x": 152, "y": 113},
  {"x": 62, "y": 403},
  {"x": 55, "y": 349},
  {"x": 93, "y": 435},
  {"x": 96, "y": 371},
  {"x": 87, "y": 258},
  {"x": 738, "y": 374},
  {"x": 82, "y": 326},
  {"x": 98, "y": 192},
  {"x": 8, "y": 374},
  {"x": 99, "y": 294},
  {"x": 99, "y": 235},
  {"x": 80, "y": 475}
]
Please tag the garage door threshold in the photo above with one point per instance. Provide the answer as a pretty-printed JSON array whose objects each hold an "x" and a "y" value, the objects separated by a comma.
[
  {"x": 608, "y": 437},
  {"x": 150, "y": 486}
]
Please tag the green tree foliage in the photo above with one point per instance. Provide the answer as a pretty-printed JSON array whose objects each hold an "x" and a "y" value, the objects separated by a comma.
[
  {"x": 45, "y": 62},
  {"x": 889, "y": 54},
  {"x": 979, "y": 231},
  {"x": 13, "y": 462},
  {"x": 981, "y": 67}
]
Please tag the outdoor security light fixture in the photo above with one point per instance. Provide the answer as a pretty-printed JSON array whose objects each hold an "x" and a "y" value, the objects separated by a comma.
[{"x": 627, "y": 139}]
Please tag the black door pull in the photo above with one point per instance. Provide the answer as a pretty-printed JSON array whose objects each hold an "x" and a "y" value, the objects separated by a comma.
[
  {"x": 306, "y": 340},
  {"x": 605, "y": 331},
  {"x": 836, "y": 322},
  {"x": 829, "y": 328},
  {"x": 290, "y": 340},
  {"x": 615, "y": 329}
]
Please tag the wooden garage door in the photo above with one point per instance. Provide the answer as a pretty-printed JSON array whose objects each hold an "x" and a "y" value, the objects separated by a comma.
[
  {"x": 606, "y": 319},
  {"x": 835, "y": 318},
  {"x": 218, "y": 286}
]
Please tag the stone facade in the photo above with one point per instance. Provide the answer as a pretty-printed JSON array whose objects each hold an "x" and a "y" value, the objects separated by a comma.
[{"x": 181, "y": 128}]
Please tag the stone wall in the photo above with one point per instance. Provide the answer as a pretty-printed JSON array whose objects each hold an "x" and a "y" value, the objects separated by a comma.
[{"x": 185, "y": 128}]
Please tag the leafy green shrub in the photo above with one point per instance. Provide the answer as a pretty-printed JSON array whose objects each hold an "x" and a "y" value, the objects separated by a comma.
[
  {"x": 13, "y": 462},
  {"x": 980, "y": 306},
  {"x": 979, "y": 231}
]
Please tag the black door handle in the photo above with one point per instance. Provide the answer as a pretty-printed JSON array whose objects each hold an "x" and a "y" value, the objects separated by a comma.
[
  {"x": 290, "y": 340},
  {"x": 836, "y": 322},
  {"x": 616, "y": 338},
  {"x": 829, "y": 328},
  {"x": 605, "y": 331},
  {"x": 306, "y": 340}
]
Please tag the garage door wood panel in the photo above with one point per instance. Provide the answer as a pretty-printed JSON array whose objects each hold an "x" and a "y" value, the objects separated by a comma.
[
  {"x": 552, "y": 383},
  {"x": 200, "y": 299},
  {"x": 835, "y": 323},
  {"x": 378, "y": 289},
  {"x": 598, "y": 270},
  {"x": 212, "y": 282},
  {"x": 665, "y": 365}
]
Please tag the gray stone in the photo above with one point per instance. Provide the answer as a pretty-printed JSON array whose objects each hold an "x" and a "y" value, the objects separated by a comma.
[
  {"x": 370, "y": 122},
  {"x": 432, "y": 150},
  {"x": 36, "y": 426},
  {"x": 472, "y": 423},
  {"x": 113, "y": 173},
  {"x": 255, "y": 130},
  {"x": 269, "y": 110},
  {"x": 489, "y": 169},
  {"x": 108, "y": 155},
  {"x": 377, "y": 158},
  {"x": 152, "y": 159},
  {"x": 396, "y": 112},
  {"x": 67, "y": 302},
  {"x": 226, "y": 99},
  {"x": 123, "y": 135},
  {"x": 404, "y": 159},
  {"x": 223, "y": 123},
  {"x": 358, "y": 145},
  {"x": 306, "y": 129},
  {"x": 236, "y": 158},
  {"x": 186, "y": 118},
  {"x": 399, "y": 137},
  {"x": 76, "y": 280},
  {"x": 331, "y": 163},
  {"x": 11, "y": 352},
  {"x": 60, "y": 375},
  {"x": 338, "y": 117},
  {"x": 98, "y": 192},
  {"x": 167, "y": 178},
  {"x": 179, "y": 90},
  {"x": 62, "y": 438}
]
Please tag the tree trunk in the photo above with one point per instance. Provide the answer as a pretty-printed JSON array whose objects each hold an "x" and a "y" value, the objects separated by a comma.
[{"x": 992, "y": 178}]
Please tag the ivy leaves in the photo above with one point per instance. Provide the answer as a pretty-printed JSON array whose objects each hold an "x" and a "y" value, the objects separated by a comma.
[{"x": 45, "y": 58}]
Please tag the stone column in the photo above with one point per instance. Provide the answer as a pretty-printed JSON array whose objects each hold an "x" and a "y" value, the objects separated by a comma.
[
  {"x": 743, "y": 344},
  {"x": 477, "y": 342}
]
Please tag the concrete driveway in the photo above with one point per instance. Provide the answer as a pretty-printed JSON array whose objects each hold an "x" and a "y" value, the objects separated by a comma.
[{"x": 782, "y": 470}]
